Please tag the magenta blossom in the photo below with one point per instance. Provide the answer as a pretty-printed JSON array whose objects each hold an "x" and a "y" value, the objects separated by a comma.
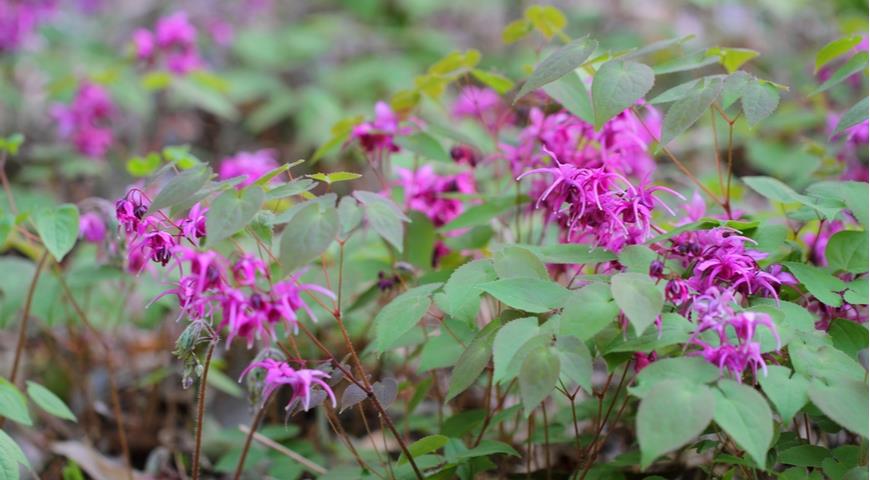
[
  {"x": 173, "y": 41},
  {"x": 250, "y": 165},
  {"x": 279, "y": 374},
  {"x": 736, "y": 348},
  {"x": 85, "y": 122},
  {"x": 18, "y": 20},
  {"x": 92, "y": 228},
  {"x": 484, "y": 105},
  {"x": 246, "y": 269},
  {"x": 377, "y": 135}
]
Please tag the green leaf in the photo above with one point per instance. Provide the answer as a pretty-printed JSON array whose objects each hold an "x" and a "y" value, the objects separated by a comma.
[
  {"x": 495, "y": 81},
  {"x": 571, "y": 93},
  {"x": 482, "y": 214},
  {"x": 853, "y": 116},
  {"x": 180, "y": 188},
  {"x": 675, "y": 329},
  {"x": 570, "y": 253},
  {"x": 618, "y": 85},
  {"x": 819, "y": 282},
  {"x": 637, "y": 258},
  {"x": 528, "y": 294},
  {"x": 11, "y": 455},
  {"x": 775, "y": 190},
  {"x": 691, "y": 61},
  {"x": 219, "y": 380},
  {"x": 13, "y": 405},
  {"x": 672, "y": 414},
  {"x": 472, "y": 361},
  {"x": 836, "y": 49},
  {"x": 207, "y": 99},
  {"x": 419, "y": 240},
  {"x": 685, "y": 112},
  {"x": 848, "y": 336},
  {"x": 825, "y": 362},
  {"x": 461, "y": 300},
  {"x": 58, "y": 228},
  {"x": 558, "y": 64},
  {"x": 48, "y": 401},
  {"x": 787, "y": 392},
  {"x": 294, "y": 187},
  {"x": 688, "y": 369},
  {"x": 384, "y": 216},
  {"x": 144, "y": 166},
  {"x": 732, "y": 58},
  {"x": 587, "y": 311},
  {"x": 658, "y": 46},
  {"x": 513, "y": 261},
  {"x": 845, "y": 402},
  {"x": 232, "y": 211},
  {"x": 489, "y": 447},
  {"x": 576, "y": 361},
  {"x": 681, "y": 91},
  {"x": 402, "y": 314},
  {"x": 508, "y": 341},
  {"x": 847, "y": 251},
  {"x": 307, "y": 235},
  {"x": 857, "y": 63},
  {"x": 734, "y": 87},
  {"x": 538, "y": 376},
  {"x": 759, "y": 100},
  {"x": 853, "y": 194},
  {"x": 638, "y": 297},
  {"x": 516, "y": 30},
  {"x": 427, "y": 444},
  {"x": 804, "y": 456},
  {"x": 334, "y": 177},
  {"x": 546, "y": 19},
  {"x": 12, "y": 143},
  {"x": 743, "y": 413},
  {"x": 424, "y": 145}
]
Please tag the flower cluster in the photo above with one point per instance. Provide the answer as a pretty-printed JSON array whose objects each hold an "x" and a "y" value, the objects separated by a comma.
[
  {"x": 621, "y": 146},
  {"x": 92, "y": 228},
  {"x": 250, "y": 165},
  {"x": 154, "y": 236},
  {"x": 173, "y": 40},
  {"x": 85, "y": 121},
  {"x": 598, "y": 206},
  {"x": 279, "y": 374},
  {"x": 18, "y": 20},
  {"x": 210, "y": 285},
  {"x": 484, "y": 105},
  {"x": 733, "y": 348},
  {"x": 425, "y": 192}
]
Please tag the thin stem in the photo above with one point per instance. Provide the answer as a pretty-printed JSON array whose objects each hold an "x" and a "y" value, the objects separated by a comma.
[
  {"x": 592, "y": 446},
  {"x": 486, "y": 401},
  {"x": 250, "y": 436},
  {"x": 727, "y": 204},
  {"x": 546, "y": 440},
  {"x": 676, "y": 161},
  {"x": 25, "y": 315},
  {"x": 716, "y": 149},
  {"x": 308, "y": 464},
  {"x": 200, "y": 409}
]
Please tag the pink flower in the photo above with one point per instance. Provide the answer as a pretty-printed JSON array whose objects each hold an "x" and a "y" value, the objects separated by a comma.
[
  {"x": 143, "y": 42},
  {"x": 92, "y": 228},
  {"x": 193, "y": 227},
  {"x": 484, "y": 105},
  {"x": 279, "y": 374},
  {"x": 377, "y": 135},
  {"x": 18, "y": 20},
  {"x": 251, "y": 165},
  {"x": 86, "y": 120},
  {"x": 245, "y": 270},
  {"x": 173, "y": 40}
]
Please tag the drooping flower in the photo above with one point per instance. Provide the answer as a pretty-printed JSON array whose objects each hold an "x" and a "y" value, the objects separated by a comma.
[
  {"x": 92, "y": 228},
  {"x": 193, "y": 226},
  {"x": 250, "y": 165},
  {"x": 301, "y": 382},
  {"x": 245, "y": 270},
  {"x": 734, "y": 347},
  {"x": 484, "y": 105},
  {"x": 85, "y": 121}
]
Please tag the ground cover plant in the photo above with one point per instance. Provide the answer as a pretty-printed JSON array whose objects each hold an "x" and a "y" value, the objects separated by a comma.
[{"x": 231, "y": 249}]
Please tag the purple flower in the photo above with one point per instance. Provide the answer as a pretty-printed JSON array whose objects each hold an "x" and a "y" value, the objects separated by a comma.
[
  {"x": 484, "y": 105},
  {"x": 245, "y": 270},
  {"x": 18, "y": 20},
  {"x": 251, "y": 165},
  {"x": 92, "y": 228},
  {"x": 85, "y": 121},
  {"x": 143, "y": 43},
  {"x": 279, "y": 374},
  {"x": 193, "y": 227}
]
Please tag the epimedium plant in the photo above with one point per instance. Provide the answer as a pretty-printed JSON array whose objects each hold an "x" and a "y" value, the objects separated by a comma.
[{"x": 534, "y": 288}]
